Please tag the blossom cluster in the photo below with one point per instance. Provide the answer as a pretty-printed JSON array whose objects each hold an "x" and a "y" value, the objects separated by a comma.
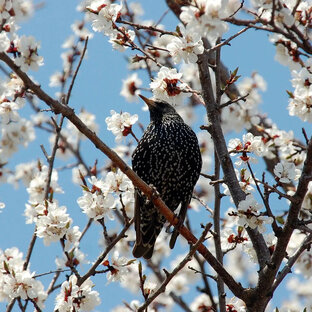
[
  {"x": 120, "y": 124},
  {"x": 13, "y": 12},
  {"x": 103, "y": 196},
  {"x": 103, "y": 16},
  {"x": 205, "y": 17},
  {"x": 15, "y": 130},
  {"x": 168, "y": 87},
  {"x": 15, "y": 282},
  {"x": 52, "y": 221},
  {"x": 186, "y": 46},
  {"x": 265, "y": 145},
  {"x": 77, "y": 298},
  {"x": 25, "y": 48},
  {"x": 288, "y": 52},
  {"x": 300, "y": 100}
]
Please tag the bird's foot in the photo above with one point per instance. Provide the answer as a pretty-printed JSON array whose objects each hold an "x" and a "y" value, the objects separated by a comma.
[
  {"x": 175, "y": 232},
  {"x": 179, "y": 224},
  {"x": 155, "y": 193}
]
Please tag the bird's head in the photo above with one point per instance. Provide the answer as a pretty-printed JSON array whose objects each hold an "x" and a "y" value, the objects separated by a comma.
[{"x": 158, "y": 108}]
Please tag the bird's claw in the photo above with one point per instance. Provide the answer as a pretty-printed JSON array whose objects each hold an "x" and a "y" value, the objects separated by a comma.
[
  {"x": 179, "y": 223},
  {"x": 155, "y": 193}
]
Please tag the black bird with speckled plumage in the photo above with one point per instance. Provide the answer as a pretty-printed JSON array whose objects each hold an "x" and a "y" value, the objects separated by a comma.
[{"x": 168, "y": 157}]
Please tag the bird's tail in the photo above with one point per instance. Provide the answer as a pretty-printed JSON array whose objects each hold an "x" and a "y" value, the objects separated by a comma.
[
  {"x": 140, "y": 250},
  {"x": 146, "y": 234},
  {"x": 148, "y": 224}
]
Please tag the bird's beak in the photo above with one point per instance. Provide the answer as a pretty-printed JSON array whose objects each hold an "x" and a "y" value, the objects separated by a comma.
[{"x": 150, "y": 103}]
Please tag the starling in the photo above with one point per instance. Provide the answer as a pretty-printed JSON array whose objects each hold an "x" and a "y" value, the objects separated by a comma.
[{"x": 168, "y": 157}]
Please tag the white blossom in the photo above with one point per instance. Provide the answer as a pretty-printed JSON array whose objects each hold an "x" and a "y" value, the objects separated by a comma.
[
  {"x": 300, "y": 101},
  {"x": 165, "y": 87},
  {"x": 15, "y": 281},
  {"x": 53, "y": 224},
  {"x": 76, "y": 171},
  {"x": 307, "y": 201},
  {"x": 8, "y": 111},
  {"x": 120, "y": 124},
  {"x": 4, "y": 42},
  {"x": 250, "y": 144},
  {"x": 96, "y": 203},
  {"x": 24, "y": 172},
  {"x": 103, "y": 15},
  {"x": 186, "y": 47},
  {"x": 249, "y": 214},
  {"x": 201, "y": 302},
  {"x": 72, "y": 237},
  {"x": 205, "y": 17},
  {"x": 179, "y": 284},
  {"x": 77, "y": 298},
  {"x": 235, "y": 304},
  {"x": 37, "y": 185},
  {"x": 117, "y": 182},
  {"x": 15, "y": 134},
  {"x": 130, "y": 88},
  {"x": 120, "y": 39},
  {"x": 286, "y": 172},
  {"x": 80, "y": 31},
  {"x": 28, "y": 57},
  {"x": 118, "y": 268},
  {"x": 286, "y": 51}
]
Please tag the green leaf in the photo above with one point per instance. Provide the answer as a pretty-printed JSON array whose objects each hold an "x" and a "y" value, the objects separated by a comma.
[
  {"x": 280, "y": 219},
  {"x": 140, "y": 268},
  {"x": 131, "y": 262},
  {"x": 290, "y": 94},
  {"x": 178, "y": 30},
  {"x": 234, "y": 73}
]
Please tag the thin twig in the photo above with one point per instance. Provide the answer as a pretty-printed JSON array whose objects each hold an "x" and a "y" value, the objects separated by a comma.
[
  {"x": 104, "y": 254},
  {"x": 51, "y": 272},
  {"x": 265, "y": 202},
  {"x": 76, "y": 71},
  {"x": 51, "y": 286},
  {"x": 230, "y": 102},
  {"x": 178, "y": 268},
  {"x": 148, "y": 28},
  {"x": 292, "y": 260},
  {"x": 226, "y": 42},
  {"x": 85, "y": 229},
  {"x": 203, "y": 203}
]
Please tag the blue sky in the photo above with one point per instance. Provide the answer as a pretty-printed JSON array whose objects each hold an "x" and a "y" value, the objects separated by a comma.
[{"x": 97, "y": 89}]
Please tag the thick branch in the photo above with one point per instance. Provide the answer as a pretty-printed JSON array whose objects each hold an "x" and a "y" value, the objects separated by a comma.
[{"x": 222, "y": 152}]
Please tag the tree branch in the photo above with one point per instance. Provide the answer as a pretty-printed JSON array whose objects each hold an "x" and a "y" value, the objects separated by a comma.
[{"x": 66, "y": 111}]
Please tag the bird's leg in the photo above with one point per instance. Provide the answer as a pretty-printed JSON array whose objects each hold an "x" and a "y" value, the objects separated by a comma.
[{"x": 181, "y": 218}]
